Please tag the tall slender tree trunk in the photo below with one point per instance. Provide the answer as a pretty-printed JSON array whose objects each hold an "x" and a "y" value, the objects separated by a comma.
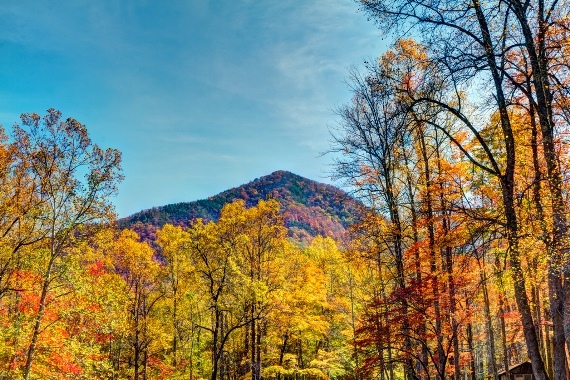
[
  {"x": 537, "y": 200},
  {"x": 507, "y": 189},
  {"x": 137, "y": 353},
  {"x": 145, "y": 363},
  {"x": 555, "y": 289},
  {"x": 39, "y": 317},
  {"x": 175, "y": 331},
  {"x": 258, "y": 350},
  {"x": 253, "y": 347},
  {"x": 559, "y": 268},
  {"x": 282, "y": 350},
  {"x": 216, "y": 349},
  {"x": 502, "y": 319},
  {"x": 432, "y": 258},
  {"x": 401, "y": 277},
  {"x": 246, "y": 340},
  {"x": 472, "y": 370},
  {"x": 548, "y": 343},
  {"x": 422, "y": 361},
  {"x": 448, "y": 265},
  {"x": 387, "y": 366},
  {"x": 519, "y": 283},
  {"x": 452, "y": 310},
  {"x": 492, "y": 365},
  {"x": 352, "y": 325},
  {"x": 191, "y": 356}
]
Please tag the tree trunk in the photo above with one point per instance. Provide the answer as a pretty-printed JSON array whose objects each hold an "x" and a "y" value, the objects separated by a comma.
[
  {"x": 433, "y": 260},
  {"x": 216, "y": 350},
  {"x": 282, "y": 350},
  {"x": 401, "y": 277},
  {"x": 472, "y": 374},
  {"x": 448, "y": 264},
  {"x": 507, "y": 189},
  {"x": 175, "y": 332},
  {"x": 488, "y": 323},
  {"x": 558, "y": 268},
  {"x": 353, "y": 325},
  {"x": 526, "y": 314},
  {"x": 556, "y": 312},
  {"x": 39, "y": 318},
  {"x": 255, "y": 367},
  {"x": 422, "y": 360},
  {"x": 145, "y": 363},
  {"x": 502, "y": 320},
  {"x": 548, "y": 343}
]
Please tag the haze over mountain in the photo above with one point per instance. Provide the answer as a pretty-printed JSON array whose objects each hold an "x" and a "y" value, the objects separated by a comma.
[{"x": 309, "y": 208}]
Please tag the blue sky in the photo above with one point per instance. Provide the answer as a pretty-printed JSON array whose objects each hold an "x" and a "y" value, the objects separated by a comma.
[{"x": 199, "y": 95}]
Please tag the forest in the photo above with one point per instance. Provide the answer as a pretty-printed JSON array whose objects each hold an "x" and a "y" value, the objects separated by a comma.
[
  {"x": 309, "y": 208},
  {"x": 457, "y": 266}
]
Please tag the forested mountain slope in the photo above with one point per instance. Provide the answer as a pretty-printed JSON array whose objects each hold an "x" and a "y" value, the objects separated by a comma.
[{"x": 309, "y": 208}]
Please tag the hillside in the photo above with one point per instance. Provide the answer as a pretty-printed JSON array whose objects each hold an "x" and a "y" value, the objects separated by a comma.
[{"x": 309, "y": 208}]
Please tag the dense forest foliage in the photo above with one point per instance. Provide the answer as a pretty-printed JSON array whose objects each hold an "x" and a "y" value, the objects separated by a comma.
[
  {"x": 457, "y": 267},
  {"x": 309, "y": 208},
  {"x": 81, "y": 299},
  {"x": 459, "y": 143}
]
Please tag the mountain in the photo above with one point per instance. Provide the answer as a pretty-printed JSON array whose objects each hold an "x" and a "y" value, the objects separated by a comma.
[{"x": 309, "y": 208}]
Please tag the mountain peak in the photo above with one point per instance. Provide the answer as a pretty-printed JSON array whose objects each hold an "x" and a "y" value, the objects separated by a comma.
[{"x": 309, "y": 208}]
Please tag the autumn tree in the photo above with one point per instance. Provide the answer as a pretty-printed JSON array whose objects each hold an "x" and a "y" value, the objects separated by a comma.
[
  {"x": 466, "y": 40},
  {"x": 73, "y": 180},
  {"x": 369, "y": 136},
  {"x": 141, "y": 273},
  {"x": 178, "y": 278},
  {"x": 232, "y": 259},
  {"x": 260, "y": 234},
  {"x": 520, "y": 47},
  {"x": 20, "y": 206}
]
